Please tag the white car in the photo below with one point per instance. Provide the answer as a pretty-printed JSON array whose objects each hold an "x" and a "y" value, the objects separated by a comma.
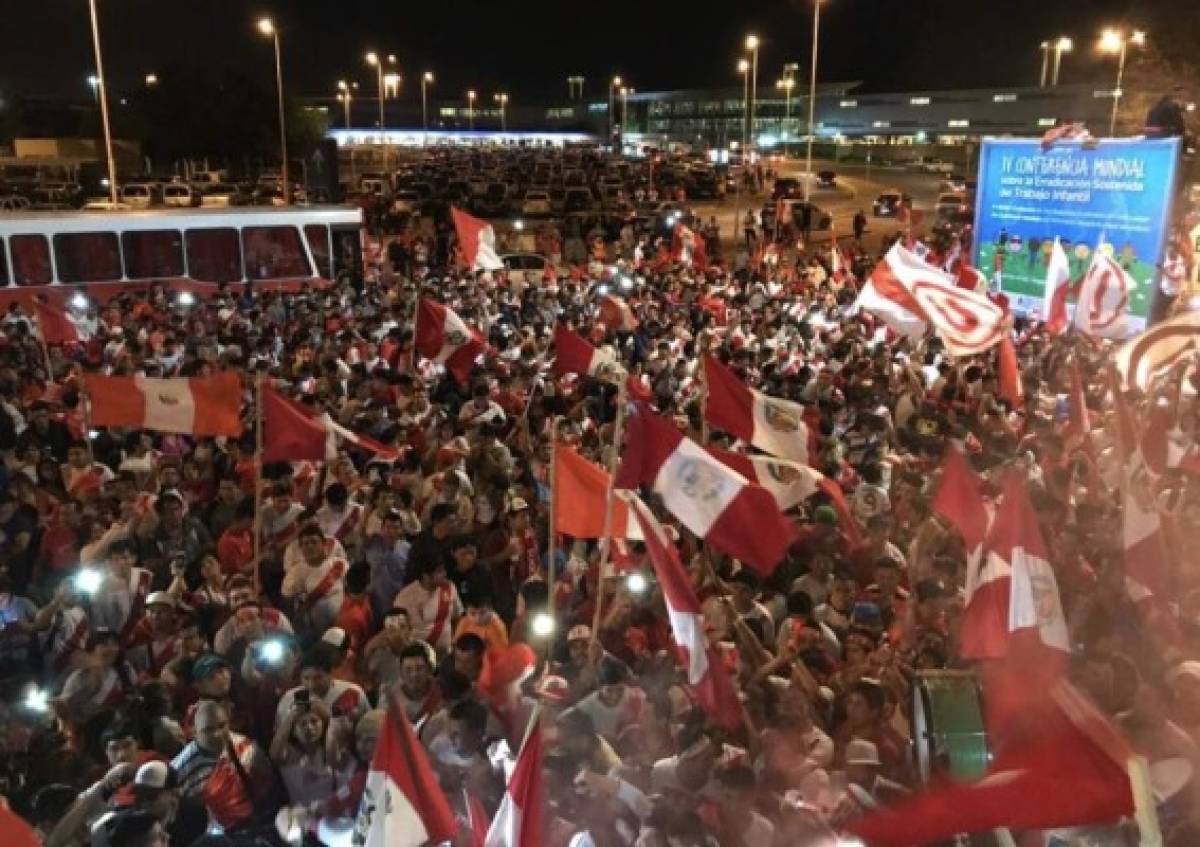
[
  {"x": 139, "y": 195},
  {"x": 180, "y": 196},
  {"x": 536, "y": 204},
  {"x": 104, "y": 204},
  {"x": 527, "y": 268},
  {"x": 218, "y": 195}
]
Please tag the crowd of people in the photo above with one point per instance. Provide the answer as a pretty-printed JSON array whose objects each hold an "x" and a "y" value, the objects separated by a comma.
[{"x": 168, "y": 675}]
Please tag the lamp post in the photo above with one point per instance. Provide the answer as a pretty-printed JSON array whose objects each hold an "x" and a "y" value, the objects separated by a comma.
[
  {"x": 426, "y": 81},
  {"x": 471, "y": 110},
  {"x": 1115, "y": 41},
  {"x": 267, "y": 27},
  {"x": 786, "y": 85},
  {"x": 102, "y": 95},
  {"x": 1062, "y": 45},
  {"x": 502, "y": 99},
  {"x": 346, "y": 96},
  {"x": 743, "y": 67},
  {"x": 625, "y": 92},
  {"x": 376, "y": 61},
  {"x": 1045, "y": 48},
  {"x": 613, "y": 85},
  {"x": 151, "y": 80},
  {"x": 752, "y": 46},
  {"x": 812, "y": 98},
  {"x": 573, "y": 83}
]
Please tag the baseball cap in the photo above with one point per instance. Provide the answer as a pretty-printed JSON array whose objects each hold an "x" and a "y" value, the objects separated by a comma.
[
  {"x": 335, "y": 636},
  {"x": 161, "y": 598},
  {"x": 580, "y": 632},
  {"x": 155, "y": 775},
  {"x": 207, "y": 665}
]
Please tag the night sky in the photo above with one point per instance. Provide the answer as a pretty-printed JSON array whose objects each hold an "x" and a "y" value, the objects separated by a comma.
[{"x": 528, "y": 47}]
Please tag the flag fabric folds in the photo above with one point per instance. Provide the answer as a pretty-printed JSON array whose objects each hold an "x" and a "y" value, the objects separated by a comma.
[
  {"x": 1010, "y": 373},
  {"x": 292, "y": 433},
  {"x": 403, "y": 804},
  {"x": 710, "y": 499},
  {"x": 581, "y": 499},
  {"x": 706, "y": 673},
  {"x": 1157, "y": 349},
  {"x": 1103, "y": 307},
  {"x": 55, "y": 325},
  {"x": 518, "y": 821},
  {"x": 772, "y": 425},
  {"x": 476, "y": 241},
  {"x": 574, "y": 355},
  {"x": 1058, "y": 287},
  {"x": 446, "y": 338},
  {"x": 913, "y": 297},
  {"x": 204, "y": 406}
]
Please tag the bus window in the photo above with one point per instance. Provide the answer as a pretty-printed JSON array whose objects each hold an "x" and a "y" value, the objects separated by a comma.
[
  {"x": 3, "y": 265},
  {"x": 31, "y": 259},
  {"x": 214, "y": 255},
  {"x": 153, "y": 254},
  {"x": 318, "y": 243},
  {"x": 348, "y": 254},
  {"x": 87, "y": 256},
  {"x": 274, "y": 252}
]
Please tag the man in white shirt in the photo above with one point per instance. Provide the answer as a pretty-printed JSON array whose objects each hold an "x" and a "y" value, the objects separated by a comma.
[
  {"x": 432, "y": 604},
  {"x": 316, "y": 584}
]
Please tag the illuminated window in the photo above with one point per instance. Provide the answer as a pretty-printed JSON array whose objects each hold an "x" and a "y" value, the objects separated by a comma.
[
  {"x": 849, "y": 104},
  {"x": 958, "y": 123},
  {"x": 918, "y": 101},
  {"x": 1004, "y": 98},
  {"x": 1046, "y": 121},
  {"x": 881, "y": 124}
]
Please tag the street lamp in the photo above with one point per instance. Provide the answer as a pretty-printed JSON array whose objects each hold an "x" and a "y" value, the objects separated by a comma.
[
  {"x": 743, "y": 67},
  {"x": 625, "y": 92},
  {"x": 786, "y": 85},
  {"x": 267, "y": 28},
  {"x": 502, "y": 99},
  {"x": 1045, "y": 48},
  {"x": 752, "y": 46},
  {"x": 471, "y": 110},
  {"x": 377, "y": 62},
  {"x": 98, "y": 87},
  {"x": 812, "y": 98},
  {"x": 613, "y": 85},
  {"x": 574, "y": 82},
  {"x": 426, "y": 80},
  {"x": 151, "y": 80},
  {"x": 1115, "y": 41},
  {"x": 346, "y": 96},
  {"x": 1062, "y": 45}
]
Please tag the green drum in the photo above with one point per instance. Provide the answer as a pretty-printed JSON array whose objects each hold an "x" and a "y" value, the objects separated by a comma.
[{"x": 948, "y": 731}]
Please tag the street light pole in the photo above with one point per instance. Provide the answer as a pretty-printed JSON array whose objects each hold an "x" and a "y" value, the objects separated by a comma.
[
  {"x": 1062, "y": 45},
  {"x": 345, "y": 95},
  {"x": 752, "y": 46},
  {"x": 613, "y": 85},
  {"x": 502, "y": 99},
  {"x": 1113, "y": 41},
  {"x": 471, "y": 110},
  {"x": 426, "y": 78},
  {"x": 812, "y": 98},
  {"x": 1045, "y": 48},
  {"x": 102, "y": 93},
  {"x": 267, "y": 27}
]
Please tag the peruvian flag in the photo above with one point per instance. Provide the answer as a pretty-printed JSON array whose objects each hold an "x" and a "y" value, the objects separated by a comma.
[
  {"x": 912, "y": 297},
  {"x": 55, "y": 325},
  {"x": 205, "y": 406},
  {"x": 705, "y": 672},
  {"x": 447, "y": 339},
  {"x": 1103, "y": 307},
  {"x": 574, "y": 355},
  {"x": 518, "y": 821},
  {"x": 959, "y": 501},
  {"x": 476, "y": 241},
  {"x": 1065, "y": 766},
  {"x": 616, "y": 314},
  {"x": 402, "y": 804},
  {"x": 775, "y": 426},
  {"x": 1058, "y": 287},
  {"x": 714, "y": 502},
  {"x": 1010, "y": 373},
  {"x": 581, "y": 499},
  {"x": 292, "y": 433}
]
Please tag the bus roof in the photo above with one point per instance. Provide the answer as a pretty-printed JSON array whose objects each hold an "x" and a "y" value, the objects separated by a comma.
[{"x": 75, "y": 220}]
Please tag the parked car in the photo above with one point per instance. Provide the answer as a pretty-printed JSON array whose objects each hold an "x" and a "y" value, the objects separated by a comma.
[
  {"x": 180, "y": 195},
  {"x": 887, "y": 204},
  {"x": 219, "y": 194},
  {"x": 139, "y": 195},
  {"x": 536, "y": 204},
  {"x": 13, "y": 203},
  {"x": 786, "y": 186},
  {"x": 527, "y": 268},
  {"x": 827, "y": 179}
]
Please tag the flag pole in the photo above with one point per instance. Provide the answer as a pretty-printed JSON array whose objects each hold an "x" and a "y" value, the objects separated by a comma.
[
  {"x": 606, "y": 540},
  {"x": 258, "y": 479},
  {"x": 551, "y": 534}
]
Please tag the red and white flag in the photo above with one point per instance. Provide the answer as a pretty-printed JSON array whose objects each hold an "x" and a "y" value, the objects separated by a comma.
[
  {"x": 581, "y": 499},
  {"x": 1103, "y": 307},
  {"x": 292, "y": 433},
  {"x": 959, "y": 500},
  {"x": 476, "y": 241},
  {"x": 1009, "y": 373},
  {"x": 970, "y": 278},
  {"x": 55, "y": 324},
  {"x": 447, "y": 339},
  {"x": 574, "y": 355},
  {"x": 518, "y": 821},
  {"x": 714, "y": 502},
  {"x": 1066, "y": 766},
  {"x": 1157, "y": 349},
  {"x": 616, "y": 314},
  {"x": 774, "y": 426},
  {"x": 912, "y": 297},
  {"x": 402, "y": 804},
  {"x": 1058, "y": 287},
  {"x": 205, "y": 406},
  {"x": 706, "y": 673}
]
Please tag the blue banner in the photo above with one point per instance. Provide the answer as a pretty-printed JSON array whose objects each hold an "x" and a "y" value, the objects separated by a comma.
[{"x": 1114, "y": 195}]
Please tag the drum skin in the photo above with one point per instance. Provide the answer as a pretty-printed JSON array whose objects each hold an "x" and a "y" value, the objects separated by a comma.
[{"x": 949, "y": 738}]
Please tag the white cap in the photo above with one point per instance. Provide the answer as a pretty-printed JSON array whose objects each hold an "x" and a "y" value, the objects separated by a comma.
[
  {"x": 336, "y": 636},
  {"x": 160, "y": 597}
]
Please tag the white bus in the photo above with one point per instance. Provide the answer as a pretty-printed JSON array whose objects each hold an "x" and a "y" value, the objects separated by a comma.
[{"x": 110, "y": 252}]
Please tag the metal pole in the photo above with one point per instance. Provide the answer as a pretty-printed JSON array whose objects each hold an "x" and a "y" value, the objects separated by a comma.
[
  {"x": 1057, "y": 61},
  {"x": 1045, "y": 62},
  {"x": 552, "y": 539},
  {"x": 610, "y": 113},
  {"x": 379, "y": 80},
  {"x": 812, "y": 98},
  {"x": 102, "y": 92},
  {"x": 424, "y": 116},
  {"x": 259, "y": 483},
  {"x": 606, "y": 540},
  {"x": 283, "y": 167},
  {"x": 753, "y": 95},
  {"x": 1112, "y": 123}
]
